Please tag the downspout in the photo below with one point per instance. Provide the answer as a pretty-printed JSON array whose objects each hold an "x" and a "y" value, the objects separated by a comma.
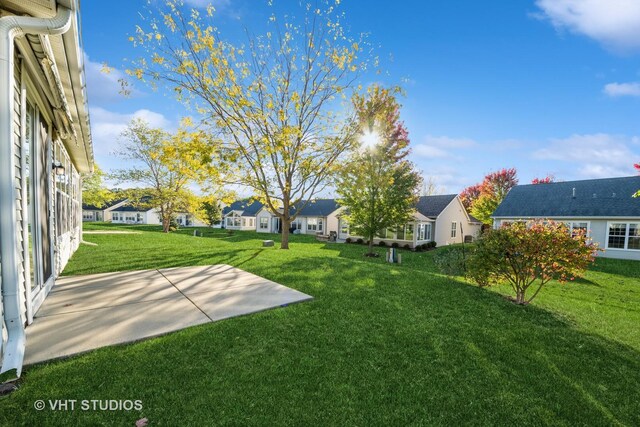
[{"x": 10, "y": 28}]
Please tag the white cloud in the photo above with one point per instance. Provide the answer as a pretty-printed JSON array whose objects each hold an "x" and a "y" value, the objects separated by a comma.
[
  {"x": 613, "y": 23},
  {"x": 447, "y": 178},
  {"x": 441, "y": 146},
  {"x": 622, "y": 89},
  {"x": 103, "y": 87},
  {"x": 106, "y": 127},
  {"x": 446, "y": 142},
  {"x": 423, "y": 150},
  {"x": 595, "y": 156}
]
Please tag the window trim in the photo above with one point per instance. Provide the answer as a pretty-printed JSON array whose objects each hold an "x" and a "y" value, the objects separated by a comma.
[
  {"x": 572, "y": 223},
  {"x": 454, "y": 230},
  {"x": 626, "y": 235},
  {"x": 265, "y": 225}
]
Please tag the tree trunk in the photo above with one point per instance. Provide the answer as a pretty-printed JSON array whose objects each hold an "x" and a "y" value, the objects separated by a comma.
[
  {"x": 166, "y": 223},
  {"x": 284, "y": 242},
  {"x": 520, "y": 296},
  {"x": 370, "y": 246}
]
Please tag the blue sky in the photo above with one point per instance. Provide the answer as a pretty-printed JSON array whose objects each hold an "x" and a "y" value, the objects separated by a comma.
[{"x": 545, "y": 86}]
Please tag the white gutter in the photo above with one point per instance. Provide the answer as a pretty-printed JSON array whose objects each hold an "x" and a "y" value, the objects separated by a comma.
[{"x": 10, "y": 28}]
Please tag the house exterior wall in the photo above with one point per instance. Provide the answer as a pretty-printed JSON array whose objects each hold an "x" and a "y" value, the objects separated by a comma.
[
  {"x": 151, "y": 217},
  {"x": 189, "y": 220},
  {"x": 59, "y": 206},
  {"x": 598, "y": 232},
  {"x": 454, "y": 212},
  {"x": 400, "y": 237},
  {"x": 265, "y": 215},
  {"x": 245, "y": 223},
  {"x": 333, "y": 221}
]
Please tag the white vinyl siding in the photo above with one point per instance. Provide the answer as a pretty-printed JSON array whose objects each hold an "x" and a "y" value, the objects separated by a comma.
[{"x": 314, "y": 224}]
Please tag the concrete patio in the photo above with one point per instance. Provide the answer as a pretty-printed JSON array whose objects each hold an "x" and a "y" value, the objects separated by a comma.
[{"x": 83, "y": 313}]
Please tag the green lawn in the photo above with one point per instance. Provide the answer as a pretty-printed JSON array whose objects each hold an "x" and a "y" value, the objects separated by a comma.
[{"x": 380, "y": 344}]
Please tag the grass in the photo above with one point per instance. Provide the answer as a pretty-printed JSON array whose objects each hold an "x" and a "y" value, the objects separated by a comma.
[{"x": 380, "y": 344}]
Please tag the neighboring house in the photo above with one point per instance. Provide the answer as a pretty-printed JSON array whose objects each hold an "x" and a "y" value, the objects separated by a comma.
[
  {"x": 45, "y": 145},
  {"x": 241, "y": 215},
  {"x": 442, "y": 219},
  {"x": 128, "y": 213},
  {"x": 92, "y": 213},
  {"x": 189, "y": 220},
  {"x": 318, "y": 217},
  {"x": 604, "y": 208}
]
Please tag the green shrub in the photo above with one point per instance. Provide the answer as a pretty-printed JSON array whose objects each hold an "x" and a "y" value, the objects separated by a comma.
[
  {"x": 359, "y": 241},
  {"x": 451, "y": 261},
  {"x": 530, "y": 255},
  {"x": 395, "y": 245},
  {"x": 407, "y": 246},
  {"x": 382, "y": 243},
  {"x": 348, "y": 240}
]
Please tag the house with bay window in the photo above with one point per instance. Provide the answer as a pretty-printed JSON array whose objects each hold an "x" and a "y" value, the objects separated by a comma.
[
  {"x": 92, "y": 213},
  {"x": 318, "y": 217},
  {"x": 45, "y": 146},
  {"x": 441, "y": 219},
  {"x": 241, "y": 215},
  {"x": 604, "y": 208}
]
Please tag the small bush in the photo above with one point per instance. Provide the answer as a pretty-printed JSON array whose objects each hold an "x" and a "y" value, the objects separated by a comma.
[
  {"x": 407, "y": 246},
  {"x": 382, "y": 243},
  {"x": 395, "y": 245},
  {"x": 360, "y": 241},
  {"x": 348, "y": 240},
  {"x": 450, "y": 262},
  {"x": 432, "y": 244},
  {"x": 425, "y": 246}
]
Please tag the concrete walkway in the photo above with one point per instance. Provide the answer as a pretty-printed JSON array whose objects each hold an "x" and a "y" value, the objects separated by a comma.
[{"x": 83, "y": 313}]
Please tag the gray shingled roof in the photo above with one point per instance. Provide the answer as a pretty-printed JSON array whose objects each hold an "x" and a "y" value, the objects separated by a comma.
[
  {"x": 319, "y": 207},
  {"x": 128, "y": 207},
  {"x": 247, "y": 208},
  {"x": 105, "y": 206},
  {"x": 432, "y": 206},
  {"x": 609, "y": 197}
]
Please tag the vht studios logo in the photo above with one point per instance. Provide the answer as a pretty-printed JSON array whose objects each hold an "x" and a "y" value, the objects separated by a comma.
[{"x": 88, "y": 405}]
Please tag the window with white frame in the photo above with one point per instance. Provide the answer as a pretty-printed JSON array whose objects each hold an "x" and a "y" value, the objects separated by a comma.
[
  {"x": 623, "y": 236},
  {"x": 454, "y": 230},
  {"x": 577, "y": 226},
  {"x": 314, "y": 224},
  {"x": 115, "y": 216},
  {"x": 344, "y": 227},
  {"x": 64, "y": 190},
  {"x": 264, "y": 223},
  {"x": 424, "y": 231},
  {"x": 408, "y": 232}
]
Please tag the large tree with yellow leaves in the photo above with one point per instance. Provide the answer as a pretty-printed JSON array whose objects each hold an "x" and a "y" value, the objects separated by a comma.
[
  {"x": 165, "y": 165},
  {"x": 275, "y": 99}
]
